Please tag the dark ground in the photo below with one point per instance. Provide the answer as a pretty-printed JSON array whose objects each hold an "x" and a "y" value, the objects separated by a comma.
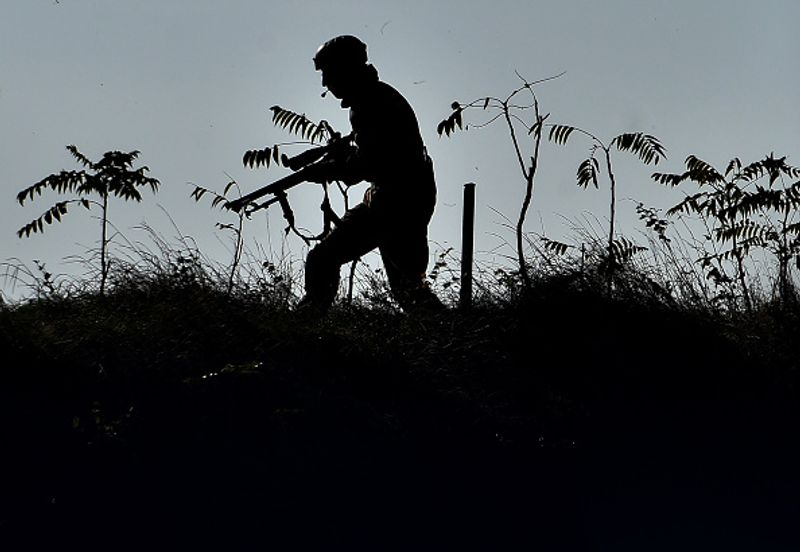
[{"x": 559, "y": 424}]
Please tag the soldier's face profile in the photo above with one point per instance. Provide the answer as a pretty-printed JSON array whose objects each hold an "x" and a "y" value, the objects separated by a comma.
[{"x": 335, "y": 81}]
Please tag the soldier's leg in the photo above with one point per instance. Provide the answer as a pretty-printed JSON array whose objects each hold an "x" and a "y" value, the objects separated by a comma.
[
  {"x": 349, "y": 240},
  {"x": 405, "y": 257},
  {"x": 404, "y": 246}
]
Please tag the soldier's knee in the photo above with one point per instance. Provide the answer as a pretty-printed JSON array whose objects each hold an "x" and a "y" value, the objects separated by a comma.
[{"x": 318, "y": 258}]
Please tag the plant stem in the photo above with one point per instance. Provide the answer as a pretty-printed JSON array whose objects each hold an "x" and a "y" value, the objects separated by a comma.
[
  {"x": 742, "y": 282},
  {"x": 528, "y": 174},
  {"x": 103, "y": 245},
  {"x": 237, "y": 254},
  {"x": 351, "y": 281},
  {"x": 612, "y": 216}
]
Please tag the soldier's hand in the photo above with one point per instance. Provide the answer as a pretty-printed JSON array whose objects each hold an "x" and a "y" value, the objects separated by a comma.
[{"x": 320, "y": 172}]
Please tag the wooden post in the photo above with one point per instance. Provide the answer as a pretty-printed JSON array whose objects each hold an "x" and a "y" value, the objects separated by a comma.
[{"x": 467, "y": 239}]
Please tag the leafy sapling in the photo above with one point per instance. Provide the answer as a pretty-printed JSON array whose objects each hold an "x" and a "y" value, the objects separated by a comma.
[
  {"x": 645, "y": 146},
  {"x": 512, "y": 114},
  {"x": 745, "y": 208},
  {"x": 113, "y": 175}
]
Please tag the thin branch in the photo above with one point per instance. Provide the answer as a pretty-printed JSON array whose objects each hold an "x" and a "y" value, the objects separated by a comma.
[
  {"x": 529, "y": 84},
  {"x": 489, "y": 122}
]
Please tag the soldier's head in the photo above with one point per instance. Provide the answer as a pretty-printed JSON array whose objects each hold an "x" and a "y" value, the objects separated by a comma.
[{"x": 343, "y": 63}]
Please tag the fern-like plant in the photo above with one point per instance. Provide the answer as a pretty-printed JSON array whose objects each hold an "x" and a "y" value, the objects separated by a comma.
[
  {"x": 113, "y": 175},
  {"x": 645, "y": 146},
  {"x": 744, "y": 212},
  {"x": 295, "y": 123},
  {"x": 221, "y": 200}
]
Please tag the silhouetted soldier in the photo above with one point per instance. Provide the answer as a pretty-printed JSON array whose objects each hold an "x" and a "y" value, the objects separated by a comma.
[{"x": 390, "y": 154}]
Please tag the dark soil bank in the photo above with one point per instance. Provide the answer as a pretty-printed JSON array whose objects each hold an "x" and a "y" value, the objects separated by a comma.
[{"x": 564, "y": 423}]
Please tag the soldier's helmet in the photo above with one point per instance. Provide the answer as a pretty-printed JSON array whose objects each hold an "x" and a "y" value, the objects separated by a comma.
[{"x": 341, "y": 52}]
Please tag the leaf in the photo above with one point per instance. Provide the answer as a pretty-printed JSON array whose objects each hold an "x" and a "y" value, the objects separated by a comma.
[
  {"x": 258, "y": 158},
  {"x": 717, "y": 276},
  {"x": 646, "y": 146},
  {"x": 792, "y": 228},
  {"x": 778, "y": 167},
  {"x": 669, "y": 179},
  {"x": 587, "y": 172},
  {"x": 702, "y": 172},
  {"x": 688, "y": 205},
  {"x": 734, "y": 167},
  {"x": 454, "y": 120},
  {"x": 322, "y": 132},
  {"x": 755, "y": 233},
  {"x": 37, "y": 225},
  {"x": 65, "y": 181},
  {"x": 247, "y": 158},
  {"x": 792, "y": 196},
  {"x": 560, "y": 133},
  {"x": 296, "y": 123},
  {"x": 536, "y": 128},
  {"x": 622, "y": 249},
  {"x": 153, "y": 183},
  {"x": 651, "y": 219},
  {"x": 559, "y": 248},
  {"x": 82, "y": 159}
]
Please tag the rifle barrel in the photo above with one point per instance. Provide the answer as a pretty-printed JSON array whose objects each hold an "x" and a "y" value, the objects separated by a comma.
[
  {"x": 299, "y": 164},
  {"x": 280, "y": 185},
  {"x": 302, "y": 159}
]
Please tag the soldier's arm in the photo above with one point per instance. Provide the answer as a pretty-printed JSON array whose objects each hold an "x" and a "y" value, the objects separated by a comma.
[{"x": 343, "y": 167}]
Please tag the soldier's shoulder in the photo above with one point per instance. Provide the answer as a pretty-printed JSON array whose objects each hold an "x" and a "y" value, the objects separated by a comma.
[
  {"x": 386, "y": 93},
  {"x": 383, "y": 88}
]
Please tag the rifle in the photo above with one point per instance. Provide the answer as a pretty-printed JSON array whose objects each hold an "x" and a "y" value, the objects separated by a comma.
[{"x": 302, "y": 164}]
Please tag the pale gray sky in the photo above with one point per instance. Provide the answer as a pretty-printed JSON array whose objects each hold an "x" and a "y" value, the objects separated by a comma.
[{"x": 190, "y": 83}]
